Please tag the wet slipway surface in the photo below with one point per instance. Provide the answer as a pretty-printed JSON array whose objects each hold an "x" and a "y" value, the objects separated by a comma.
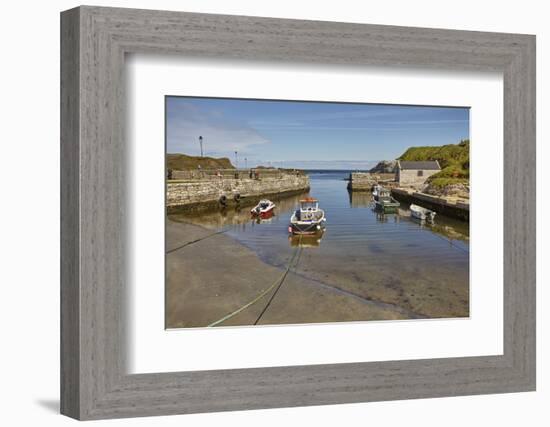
[{"x": 365, "y": 266}]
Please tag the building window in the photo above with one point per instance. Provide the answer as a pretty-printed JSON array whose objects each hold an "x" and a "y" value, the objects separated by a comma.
[{"x": 420, "y": 173}]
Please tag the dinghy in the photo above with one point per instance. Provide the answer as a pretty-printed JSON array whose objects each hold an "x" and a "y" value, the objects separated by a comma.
[
  {"x": 422, "y": 213},
  {"x": 264, "y": 209}
]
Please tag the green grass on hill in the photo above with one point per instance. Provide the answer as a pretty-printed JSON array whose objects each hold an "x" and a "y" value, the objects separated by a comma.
[
  {"x": 454, "y": 160},
  {"x": 183, "y": 162}
]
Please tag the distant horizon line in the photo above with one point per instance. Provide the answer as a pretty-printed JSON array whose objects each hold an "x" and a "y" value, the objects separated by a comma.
[{"x": 283, "y": 161}]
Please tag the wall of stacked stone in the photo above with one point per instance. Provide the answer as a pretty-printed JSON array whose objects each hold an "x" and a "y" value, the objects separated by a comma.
[
  {"x": 230, "y": 173},
  {"x": 444, "y": 205},
  {"x": 198, "y": 194},
  {"x": 414, "y": 178},
  {"x": 361, "y": 181}
]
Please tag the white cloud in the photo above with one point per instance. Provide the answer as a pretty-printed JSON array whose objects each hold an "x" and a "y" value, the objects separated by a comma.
[{"x": 186, "y": 122}]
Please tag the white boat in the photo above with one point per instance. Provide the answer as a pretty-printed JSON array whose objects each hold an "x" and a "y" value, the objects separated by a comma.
[
  {"x": 309, "y": 219},
  {"x": 422, "y": 213},
  {"x": 264, "y": 209},
  {"x": 376, "y": 189}
]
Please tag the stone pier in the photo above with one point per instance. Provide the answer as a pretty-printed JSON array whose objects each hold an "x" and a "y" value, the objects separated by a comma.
[
  {"x": 213, "y": 191},
  {"x": 448, "y": 206},
  {"x": 361, "y": 181}
]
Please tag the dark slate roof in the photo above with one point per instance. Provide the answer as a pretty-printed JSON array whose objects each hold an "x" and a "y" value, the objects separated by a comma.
[{"x": 427, "y": 165}]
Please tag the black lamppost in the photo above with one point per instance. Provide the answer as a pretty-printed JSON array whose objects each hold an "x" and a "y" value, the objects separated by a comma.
[
  {"x": 236, "y": 160},
  {"x": 200, "y": 142}
]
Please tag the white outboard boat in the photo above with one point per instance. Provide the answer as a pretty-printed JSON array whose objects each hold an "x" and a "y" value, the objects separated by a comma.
[
  {"x": 422, "y": 213},
  {"x": 264, "y": 209}
]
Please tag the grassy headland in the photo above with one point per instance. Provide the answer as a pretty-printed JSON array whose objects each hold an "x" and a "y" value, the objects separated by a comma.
[
  {"x": 454, "y": 160},
  {"x": 184, "y": 162}
]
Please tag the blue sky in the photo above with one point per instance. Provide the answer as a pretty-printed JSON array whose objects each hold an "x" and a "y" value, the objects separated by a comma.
[{"x": 307, "y": 134}]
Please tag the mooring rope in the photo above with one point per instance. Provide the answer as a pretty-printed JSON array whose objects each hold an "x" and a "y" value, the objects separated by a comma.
[
  {"x": 196, "y": 241},
  {"x": 278, "y": 282},
  {"x": 299, "y": 252}
]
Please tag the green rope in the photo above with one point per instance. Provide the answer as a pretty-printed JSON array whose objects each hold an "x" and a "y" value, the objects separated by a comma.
[
  {"x": 195, "y": 241},
  {"x": 279, "y": 282}
]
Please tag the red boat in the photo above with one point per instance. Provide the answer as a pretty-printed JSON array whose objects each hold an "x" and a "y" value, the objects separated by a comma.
[{"x": 264, "y": 209}]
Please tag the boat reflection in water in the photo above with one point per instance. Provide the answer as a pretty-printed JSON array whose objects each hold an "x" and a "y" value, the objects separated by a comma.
[
  {"x": 382, "y": 216},
  {"x": 446, "y": 227},
  {"x": 237, "y": 217},
  {"x": 360, "y": 199},
  {"x": 263, "y": 220},
  {"x": 306, "y": 241},
  {"x": 451, "y": 232}
]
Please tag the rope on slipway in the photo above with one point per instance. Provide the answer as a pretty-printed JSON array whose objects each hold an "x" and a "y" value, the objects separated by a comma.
[
  {"x": 299, "y": 252},
  {"x": 278, "y": 282},
  {"x": 196, "y": 241}
]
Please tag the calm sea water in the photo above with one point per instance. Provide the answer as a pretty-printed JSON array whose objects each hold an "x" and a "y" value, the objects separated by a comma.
[{"x": 352, "y": 224}]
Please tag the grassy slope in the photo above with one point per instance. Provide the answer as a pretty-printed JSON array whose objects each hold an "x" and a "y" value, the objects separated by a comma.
[
  {"x": 454, "y": 160},
  {"x": 184, "y": 162}
]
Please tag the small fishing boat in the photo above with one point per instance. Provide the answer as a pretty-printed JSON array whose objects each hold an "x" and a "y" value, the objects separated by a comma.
[
  {"x": 422, "y": 213},
  {"x": 375, "y": 189},
  {"x": 264, "y": 209},
  {"x": 309, "y": 219},
  {"x": 384, "y": 201}
]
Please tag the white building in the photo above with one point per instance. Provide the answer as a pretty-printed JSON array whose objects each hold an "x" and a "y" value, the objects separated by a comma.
[{"x": 415, "y": 174}]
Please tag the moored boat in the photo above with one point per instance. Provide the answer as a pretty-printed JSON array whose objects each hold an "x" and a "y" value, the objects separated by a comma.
[
  {"x": 308, "y": 219},
  {"x": 384, "y": 200},
  {"x": 375, "y": 189},
  {"x": 422, "y": 213},
  {"x": 264, "y": 209}
]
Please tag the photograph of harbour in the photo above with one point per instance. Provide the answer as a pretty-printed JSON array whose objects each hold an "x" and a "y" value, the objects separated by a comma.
[{"x": 286, "y": 212}]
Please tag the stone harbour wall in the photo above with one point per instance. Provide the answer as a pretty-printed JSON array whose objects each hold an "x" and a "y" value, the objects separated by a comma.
[
  {"x": 208, "y": 193},
  {"x": 361, "y": 181},
  {"x": 448, "y": 206}
]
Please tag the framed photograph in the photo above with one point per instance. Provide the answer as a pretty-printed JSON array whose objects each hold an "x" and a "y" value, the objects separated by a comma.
[
  {"x": 308, "y": 236},
  {"x": 262, "y": 213}
]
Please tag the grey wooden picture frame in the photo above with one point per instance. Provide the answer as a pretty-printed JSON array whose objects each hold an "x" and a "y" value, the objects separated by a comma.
[{"x": 94, "y": 42}]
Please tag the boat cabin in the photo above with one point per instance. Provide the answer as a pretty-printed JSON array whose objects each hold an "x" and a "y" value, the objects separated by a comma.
[
  {"x": 380, "y": 192},
  {"x": 309, "y": 204},
  {"x": 264, "y": 204},
  {"x": 383, "y": 193},
  {"x": 309, "y": 209}
]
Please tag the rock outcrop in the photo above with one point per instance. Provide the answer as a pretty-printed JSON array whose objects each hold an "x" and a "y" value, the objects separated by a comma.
[
  {"x": 384, "y": 166},
  {"x": 457, "y": 190}
]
